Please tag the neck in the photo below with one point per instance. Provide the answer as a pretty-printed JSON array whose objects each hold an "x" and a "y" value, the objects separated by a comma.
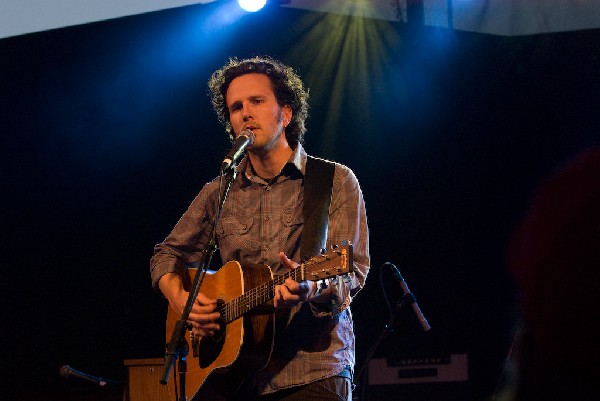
[{"x": 269, "y": 164}]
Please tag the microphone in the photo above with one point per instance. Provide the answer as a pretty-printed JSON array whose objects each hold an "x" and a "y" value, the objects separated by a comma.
[
  {"x": 410, "y": 297},
  {"x": 244, "y": 139},
  {"x": 67, "y": 371}
]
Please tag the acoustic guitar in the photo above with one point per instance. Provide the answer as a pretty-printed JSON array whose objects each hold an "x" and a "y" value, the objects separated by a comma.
[{"x": 243, "y": 344}]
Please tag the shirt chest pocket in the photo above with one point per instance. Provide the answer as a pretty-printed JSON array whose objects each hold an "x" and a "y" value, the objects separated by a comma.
[
  {"x": 234, "y": 225},
  {"x": 291, "y": 217}
]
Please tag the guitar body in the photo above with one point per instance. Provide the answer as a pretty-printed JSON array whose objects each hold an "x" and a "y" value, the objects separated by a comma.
[{"x": 218, "y": 365}]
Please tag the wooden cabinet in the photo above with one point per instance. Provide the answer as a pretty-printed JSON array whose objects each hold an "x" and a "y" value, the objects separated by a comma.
[{"x": 143, "y": 377}]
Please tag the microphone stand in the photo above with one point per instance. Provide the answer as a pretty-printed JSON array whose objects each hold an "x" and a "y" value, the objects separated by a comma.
[
  {"x": 387, "y": 330},
  {"x": 407, "y": 298},
  {"x": 178, "y": 346}
]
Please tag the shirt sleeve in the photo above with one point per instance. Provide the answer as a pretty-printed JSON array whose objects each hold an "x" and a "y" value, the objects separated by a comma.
[{"x": 184, "y": 246}]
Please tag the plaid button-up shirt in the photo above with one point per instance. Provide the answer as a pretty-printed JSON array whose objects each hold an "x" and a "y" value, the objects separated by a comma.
[{"x": 260, "y": 219}]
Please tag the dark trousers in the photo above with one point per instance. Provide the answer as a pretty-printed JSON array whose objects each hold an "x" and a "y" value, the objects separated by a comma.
[{"x": 335, "y": 388}]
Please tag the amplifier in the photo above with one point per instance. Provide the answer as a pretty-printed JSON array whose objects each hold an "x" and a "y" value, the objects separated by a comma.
[
  {"x": 419, "y": 379},
  {"x": 454, "y": 368}
]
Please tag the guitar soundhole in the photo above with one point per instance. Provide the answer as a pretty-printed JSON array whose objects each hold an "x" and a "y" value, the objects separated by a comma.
[{"x": 209, "y": 348}]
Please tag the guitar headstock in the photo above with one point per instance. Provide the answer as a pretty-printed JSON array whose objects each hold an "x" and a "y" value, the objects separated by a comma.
[{"x": 331, "y": 263}]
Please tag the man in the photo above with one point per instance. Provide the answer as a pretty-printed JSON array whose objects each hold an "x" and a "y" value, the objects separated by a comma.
[{"x": 262, "y": 222}]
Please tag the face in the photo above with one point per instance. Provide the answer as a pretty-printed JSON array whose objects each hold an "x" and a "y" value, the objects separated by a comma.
[{"x": 252, "y": 105}]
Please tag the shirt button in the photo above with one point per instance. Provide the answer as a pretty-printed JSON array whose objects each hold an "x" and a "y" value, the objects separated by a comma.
[{"x": 267, "y": 218}]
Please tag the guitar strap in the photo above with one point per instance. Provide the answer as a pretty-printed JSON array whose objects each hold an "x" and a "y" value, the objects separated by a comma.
[{"x": 318, "y": 184}]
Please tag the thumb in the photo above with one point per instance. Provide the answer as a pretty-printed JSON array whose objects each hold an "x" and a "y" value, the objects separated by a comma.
[{"x": 285, "y": 261}]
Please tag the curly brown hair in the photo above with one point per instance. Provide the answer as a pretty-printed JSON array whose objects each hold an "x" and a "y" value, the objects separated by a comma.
[{"x": 287, "y": 87}]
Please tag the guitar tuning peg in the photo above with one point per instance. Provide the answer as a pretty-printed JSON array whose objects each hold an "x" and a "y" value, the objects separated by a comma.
[
  {"x": 323, "y": 284},
  {"x": 323, "y": 250},
  {"x": 346, "y": 278},
  {"x": 334, "y": 280},
  {"x": 334, "y": 246}
]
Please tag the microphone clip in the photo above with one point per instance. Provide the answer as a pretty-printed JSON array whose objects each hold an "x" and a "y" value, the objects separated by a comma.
[{"x": 406, "y": 299}]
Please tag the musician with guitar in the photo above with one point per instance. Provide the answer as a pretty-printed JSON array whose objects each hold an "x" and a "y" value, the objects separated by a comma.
[{"x": 274, "y": 322}]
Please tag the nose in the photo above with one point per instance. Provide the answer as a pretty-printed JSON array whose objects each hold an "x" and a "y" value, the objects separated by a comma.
[{"x": 246, "y": 112}]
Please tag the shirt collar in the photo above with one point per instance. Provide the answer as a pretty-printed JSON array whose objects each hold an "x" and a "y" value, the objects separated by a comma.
[{"x": 297, "y": 160}]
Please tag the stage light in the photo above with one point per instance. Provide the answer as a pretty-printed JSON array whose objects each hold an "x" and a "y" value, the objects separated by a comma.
[{"x": 252, "y": 5}]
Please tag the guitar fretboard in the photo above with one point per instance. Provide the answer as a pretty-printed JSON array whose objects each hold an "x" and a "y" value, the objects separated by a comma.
[{"x": 256, "y": 296}]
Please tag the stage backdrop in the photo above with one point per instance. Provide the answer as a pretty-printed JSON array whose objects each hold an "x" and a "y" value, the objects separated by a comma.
[{"x": 107, "y": 135}]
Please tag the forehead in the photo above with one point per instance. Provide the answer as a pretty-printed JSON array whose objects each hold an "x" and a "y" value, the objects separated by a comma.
[{"x": 249, "y": 85}]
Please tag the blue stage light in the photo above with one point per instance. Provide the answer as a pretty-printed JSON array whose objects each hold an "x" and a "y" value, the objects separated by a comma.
[{"x": 252, "y": 5}]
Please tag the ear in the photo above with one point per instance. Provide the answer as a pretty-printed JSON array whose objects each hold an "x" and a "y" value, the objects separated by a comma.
[{"x": 287, "y": 115}]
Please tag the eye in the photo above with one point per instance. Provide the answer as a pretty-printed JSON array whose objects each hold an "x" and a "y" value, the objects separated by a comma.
[{"x": 235, "y": 107}]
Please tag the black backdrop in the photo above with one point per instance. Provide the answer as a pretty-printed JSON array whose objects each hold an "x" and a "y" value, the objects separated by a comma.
[{"x": 107, "y": 134}]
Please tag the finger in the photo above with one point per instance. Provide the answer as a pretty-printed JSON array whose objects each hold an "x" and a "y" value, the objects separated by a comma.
[
  {"x": 287, "y": 262},
  {"x": 285, "y": 291},
  {"x": 202, "y": 323},
  {"x": 204, "y": 306},
  {"x": 203, "y": 332},
  {"x": 279, "y": 298},
  {"x": 202, "y": 299},
  {"x": 297, "y": 287},
  {"x": 290, "y": 296},
  {"x": 203, "y": 318}
]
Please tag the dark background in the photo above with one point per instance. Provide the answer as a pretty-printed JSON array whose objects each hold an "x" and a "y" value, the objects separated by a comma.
[{"x": 107, "y": 135}]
